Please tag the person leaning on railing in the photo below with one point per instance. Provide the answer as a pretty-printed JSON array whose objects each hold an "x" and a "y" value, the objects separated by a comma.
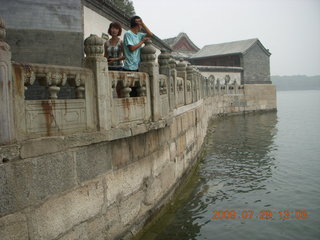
[
  {"x": 114, "y": 47},
  {"x": 133, "y": 40}
]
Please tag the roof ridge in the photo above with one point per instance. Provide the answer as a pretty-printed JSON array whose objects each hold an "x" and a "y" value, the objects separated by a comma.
[{"x": 237, "y": 41}]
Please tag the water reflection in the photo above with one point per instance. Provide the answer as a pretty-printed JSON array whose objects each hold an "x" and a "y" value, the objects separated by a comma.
[
  {"x": 238, "y": 160},
  {"x": 264, "y": 161}
]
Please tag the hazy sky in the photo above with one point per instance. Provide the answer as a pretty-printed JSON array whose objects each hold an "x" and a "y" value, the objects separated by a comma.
[{"x": 290, "y": 29}]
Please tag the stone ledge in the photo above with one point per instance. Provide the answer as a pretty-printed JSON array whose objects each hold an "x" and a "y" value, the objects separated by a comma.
[{"x": 45, "y": 145}]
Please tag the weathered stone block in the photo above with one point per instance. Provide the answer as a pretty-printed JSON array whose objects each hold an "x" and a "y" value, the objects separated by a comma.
[
  {"x": 31, "y": 181},
  {"x": 181, "y": 143},
  {"x": 40, "y": 146},
  {"x": 59, "y": 215},
  {"x": 97, "y": 228},
  {"x": 184, "y": 122},
  {"x": 8, "y": 201},
  {"x": 190, "y": 136},
  {"x": 173, "y": 150},
  {"x": 164, "y": 135},
  {"x": 152, "y": 141},
  {"x": 161, "y": 160},
  {"x": 120, "y": 153},
  {"x": 9, "y": 153},
  {"x": 153, "y": 190},
  {"x": 174, "y": 128},
  {"x": 168, "y": 177},
  {"x": 14, "y": 227},
  {"x": 93, "y": 161},
  {"x": 113, "y": 224},
  {"x": 78, "y": 233},
  {"x": 125, "y": 181},
  {"x": 129, "y": 208},
  {"x": 137, "y": 146}
]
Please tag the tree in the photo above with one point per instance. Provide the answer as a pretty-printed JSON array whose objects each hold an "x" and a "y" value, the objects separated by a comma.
[{"x": 124, "y": 5}]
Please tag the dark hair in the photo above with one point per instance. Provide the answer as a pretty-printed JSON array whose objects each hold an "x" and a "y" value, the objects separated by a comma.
[
  {"x": 133, "y": 21},
  {"x": 115, "y": 25}
]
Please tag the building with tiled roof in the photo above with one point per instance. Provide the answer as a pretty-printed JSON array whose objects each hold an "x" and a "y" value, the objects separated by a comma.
[
  {"x": 248, "y": 56},
  {"x": 182, "y": 46}
]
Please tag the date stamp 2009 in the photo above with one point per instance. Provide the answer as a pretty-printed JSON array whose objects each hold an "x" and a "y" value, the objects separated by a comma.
[{"x": 262, "y": 214}]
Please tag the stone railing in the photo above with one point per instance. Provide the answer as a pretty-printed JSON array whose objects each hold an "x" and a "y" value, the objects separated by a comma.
[
  {"x": 52, "y": 100},
  {"x": 46, "y": 100},
  {"x": 131, "y": 102}
]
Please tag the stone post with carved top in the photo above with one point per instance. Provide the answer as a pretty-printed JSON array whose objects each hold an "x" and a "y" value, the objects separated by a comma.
[
  {"x": 150, "y": 66},
  {"x": 7, "y": 130},
  {"x": 95, "y": 60},
  {"x": 182, "y": 72},
  {"x": 164, "y": 68},
  {"x": 173, "y": 80}
]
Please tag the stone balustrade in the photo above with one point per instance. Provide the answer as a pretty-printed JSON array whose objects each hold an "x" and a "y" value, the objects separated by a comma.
[
  {"x": 131, "y": 104},
  {"x": 57, "y": 100},
  {"x": 52, "y": 100}
]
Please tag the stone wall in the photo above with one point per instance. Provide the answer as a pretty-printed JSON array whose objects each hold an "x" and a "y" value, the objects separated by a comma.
[
  {"x": 47, "y": 32},
  {"x": 90, "y": 188},
  {"x": 106, "y": 177},
  {"x": 256, "y": 66}
]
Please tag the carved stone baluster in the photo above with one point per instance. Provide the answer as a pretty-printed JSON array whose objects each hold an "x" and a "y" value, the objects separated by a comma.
[
  {"x": 53, "y": 81},
  {"x": 218, "y": 87},
  {"x": 182, "y": 72},
  {"x": 125, "y": 91},
  {"x": 163, "y": 60},
  {"x": 142, "y": 90},
  {"x": 190, "y": 78},
  {"x": 29, "y": 77},
  {"x": 80, "y": 85},
  {"x": 173, "y": 83}
]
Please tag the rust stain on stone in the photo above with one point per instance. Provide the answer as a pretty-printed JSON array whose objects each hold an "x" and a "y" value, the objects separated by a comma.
[
  {"x": 65, "y": 106},
  {"x": 47, "y": 110},
  {"x": 126, "y": 106},
  {"x": 125, "y": 103},
  {"x": 19, "y": 84}
]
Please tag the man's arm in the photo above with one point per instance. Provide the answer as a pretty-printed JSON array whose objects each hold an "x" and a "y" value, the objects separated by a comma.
[
  {"x": 148, "y": 36},
  {"x": 135, "y": 47},
  {"x": 149, "y": 33}
]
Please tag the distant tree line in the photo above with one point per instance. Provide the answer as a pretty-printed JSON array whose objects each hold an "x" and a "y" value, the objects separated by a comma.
[
  {"x": 297, "y": 82},
  {"x": 125, "y": 5}
]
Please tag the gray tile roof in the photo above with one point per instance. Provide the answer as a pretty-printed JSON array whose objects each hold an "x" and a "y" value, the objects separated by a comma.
[{"x": 237, "y": 47}]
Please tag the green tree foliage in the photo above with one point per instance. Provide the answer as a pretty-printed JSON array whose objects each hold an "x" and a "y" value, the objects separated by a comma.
[{"x": 125, "y": 5}]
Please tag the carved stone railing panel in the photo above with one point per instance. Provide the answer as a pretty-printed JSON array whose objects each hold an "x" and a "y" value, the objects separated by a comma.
[
  {"x": 51, "y": 82},
  {"x": 130, "y": 109},
  {"x": 52, "y": 100},
  {"x": 163, "y": 84},
  {"x": 128, "y": 84},
  {"x": 173, "y": 83}
]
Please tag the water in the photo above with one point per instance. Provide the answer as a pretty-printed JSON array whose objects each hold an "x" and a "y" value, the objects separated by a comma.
[{"x": 255, "y": 162}]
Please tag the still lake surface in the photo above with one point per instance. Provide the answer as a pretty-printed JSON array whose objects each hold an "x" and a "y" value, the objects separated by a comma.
[{"x": 255, "y": 165}]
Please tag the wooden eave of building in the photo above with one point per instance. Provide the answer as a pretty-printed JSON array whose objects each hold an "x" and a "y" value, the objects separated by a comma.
[
  {"x": 218, "y": 68},
  {"x": 112, "y": 12},
  {"x": 216, "y": 56}
]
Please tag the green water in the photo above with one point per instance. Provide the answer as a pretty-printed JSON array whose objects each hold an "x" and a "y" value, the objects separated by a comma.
[{"x": 254, "y": 164}]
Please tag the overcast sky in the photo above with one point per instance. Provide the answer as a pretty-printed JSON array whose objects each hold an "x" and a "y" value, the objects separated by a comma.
[{"x": 290, "y": 29}]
